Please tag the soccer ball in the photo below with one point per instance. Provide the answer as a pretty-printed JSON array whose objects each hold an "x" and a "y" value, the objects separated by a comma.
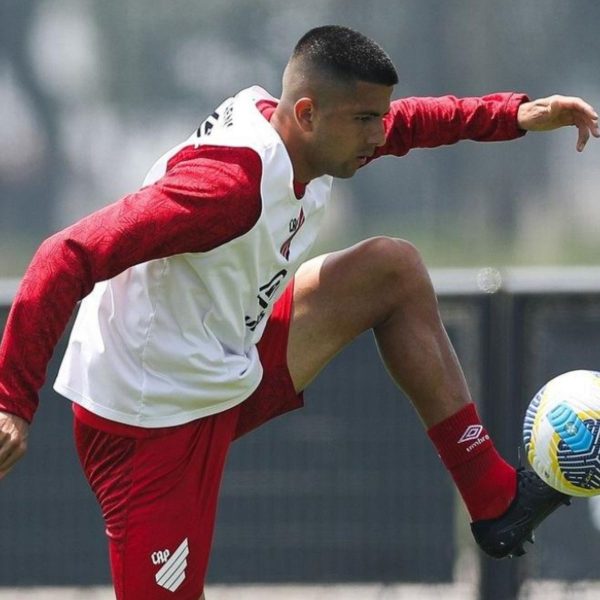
[{"x": 561, "y": 432}]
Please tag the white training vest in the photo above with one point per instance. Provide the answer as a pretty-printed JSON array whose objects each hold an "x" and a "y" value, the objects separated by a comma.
[{"x": 172, "y": 340}]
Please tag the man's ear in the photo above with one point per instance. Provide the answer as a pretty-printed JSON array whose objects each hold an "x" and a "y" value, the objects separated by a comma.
[{"x": 304, "y": 112}]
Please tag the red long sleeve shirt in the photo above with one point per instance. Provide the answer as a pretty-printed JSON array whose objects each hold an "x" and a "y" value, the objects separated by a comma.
[{"x": 208, "y": 196}]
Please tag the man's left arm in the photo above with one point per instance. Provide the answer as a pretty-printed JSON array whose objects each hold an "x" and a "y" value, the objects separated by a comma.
[{"x": 431, "y": 122}]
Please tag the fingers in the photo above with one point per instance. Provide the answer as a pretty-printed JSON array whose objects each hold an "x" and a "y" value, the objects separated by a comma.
[
  {"x": 13, "y": 441},
  {"x": 582, "y": 137},
  {"x": 586, "y": 126},
  {"x": 9, "y": 464},
  {"x": 570, "y": 110},
  {"x": 594, "y": 127},
  {"x": 10, "y": 453}
]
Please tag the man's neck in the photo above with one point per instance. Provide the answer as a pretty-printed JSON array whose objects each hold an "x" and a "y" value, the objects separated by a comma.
[{"x": 283, "y": 124}]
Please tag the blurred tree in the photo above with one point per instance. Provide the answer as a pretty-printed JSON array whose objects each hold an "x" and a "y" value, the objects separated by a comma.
[
  {"x": 27, "y": 202},
  {"x": 165, "y": 62}
]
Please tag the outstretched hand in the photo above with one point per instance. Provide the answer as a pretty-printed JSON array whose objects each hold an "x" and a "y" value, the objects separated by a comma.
[
  {"x": 13, "y": 441},
  {"x": 556, "y": 111}
]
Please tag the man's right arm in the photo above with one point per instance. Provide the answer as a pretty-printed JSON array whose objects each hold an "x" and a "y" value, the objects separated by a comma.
[{"x": 202, "y": 202}]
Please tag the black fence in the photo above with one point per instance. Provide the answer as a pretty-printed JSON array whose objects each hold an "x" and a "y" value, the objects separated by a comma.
[{"x": 349, "y": 489}]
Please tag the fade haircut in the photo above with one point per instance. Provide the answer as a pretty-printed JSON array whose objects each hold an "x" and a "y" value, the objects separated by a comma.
[{"x": 346, "y": 55}]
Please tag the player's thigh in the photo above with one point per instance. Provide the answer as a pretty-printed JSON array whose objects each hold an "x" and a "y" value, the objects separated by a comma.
[
  {"x": 338, "y": 296},
  {"x": 158, "y": 497}
]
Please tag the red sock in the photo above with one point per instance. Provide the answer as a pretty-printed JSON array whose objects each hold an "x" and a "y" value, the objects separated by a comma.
[{"x": 485, "y": 481}]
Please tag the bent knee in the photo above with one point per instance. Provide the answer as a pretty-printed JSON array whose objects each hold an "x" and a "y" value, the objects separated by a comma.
[
  {"x": 392, "y": 257},
  {"x": 396, "y": 272}
]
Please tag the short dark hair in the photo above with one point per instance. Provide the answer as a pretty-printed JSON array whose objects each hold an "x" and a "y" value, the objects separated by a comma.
[{"x": 345, "y": 54}]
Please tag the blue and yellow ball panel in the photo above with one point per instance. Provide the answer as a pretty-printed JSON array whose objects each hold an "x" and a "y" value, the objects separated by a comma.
[{"x": 577, "y": 447}]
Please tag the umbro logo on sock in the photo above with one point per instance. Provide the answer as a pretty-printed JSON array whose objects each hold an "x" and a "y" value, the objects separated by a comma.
[
  {"x": 472, "y": 432},
  {"x": 172, "y": 574}
]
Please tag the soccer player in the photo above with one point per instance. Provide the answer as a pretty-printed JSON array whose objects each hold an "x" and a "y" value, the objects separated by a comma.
[{"x": 202, "y": 318}]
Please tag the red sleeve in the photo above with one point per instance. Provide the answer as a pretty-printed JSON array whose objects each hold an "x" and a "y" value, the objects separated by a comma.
[
  {"x": 430, "y": 122},
  {"x": 209, "y": 196}
]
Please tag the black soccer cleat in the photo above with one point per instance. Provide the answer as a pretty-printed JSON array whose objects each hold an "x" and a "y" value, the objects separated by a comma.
[{"x": 505, "y": 536}]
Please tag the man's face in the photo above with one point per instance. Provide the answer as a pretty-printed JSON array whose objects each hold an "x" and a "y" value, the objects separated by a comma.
[{"x": 348, "y": 127}]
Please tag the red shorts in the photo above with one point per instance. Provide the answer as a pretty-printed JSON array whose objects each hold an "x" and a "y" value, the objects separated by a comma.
[{"x": 158, "y": 488}]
